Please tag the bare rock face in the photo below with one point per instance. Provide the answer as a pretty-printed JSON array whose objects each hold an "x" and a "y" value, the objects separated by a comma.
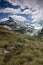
[
  {"x": 10, "y": 23},
  {"x": 10, "y": 19},
  {"x": 14, "y": 25}
]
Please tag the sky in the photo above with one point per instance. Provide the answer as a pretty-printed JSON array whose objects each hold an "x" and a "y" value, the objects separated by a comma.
[{"x": 22, "y": 10}]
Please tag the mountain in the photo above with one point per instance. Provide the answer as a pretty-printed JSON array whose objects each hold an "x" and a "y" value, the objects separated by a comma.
[
  {"x": 9, "y": 23},
  {"x": 19, "y": 26},
  {"x": 15, "y": 24},
  {"x": 20, "y": 49}
]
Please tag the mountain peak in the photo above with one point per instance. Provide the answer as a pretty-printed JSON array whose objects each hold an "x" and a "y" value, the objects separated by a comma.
[{"x": 10, "y": 19}]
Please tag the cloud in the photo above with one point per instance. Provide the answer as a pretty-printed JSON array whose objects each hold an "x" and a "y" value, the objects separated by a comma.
[
  {"x": 37, "y": 26},
  {"x": 38, "y": 16},
  {"x": 10, "y": 10},
  {"x": 4, "y": 19},
  {"x": 28, "y": 2},
  {"x": 23, "y": 9},
  {"x": 15, "y": 17},
  {"x": 5, "y": 4},
  {"x": 34, "y": 4},
  {"x": 40, "y": 3},
  {"x": 19, "y": 18},
  {"x": 27, "y": 11}
]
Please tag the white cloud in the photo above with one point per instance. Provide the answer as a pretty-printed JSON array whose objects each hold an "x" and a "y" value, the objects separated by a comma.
[
  {"x": 19, "y": 18},
  {"x": 4, "y": 19},
  {"x": 30, "y": 3},
  {"x": 38, "y": 16},
  {"x": 10, "y": 10},
  {"x": 37, "y": 26},
  {"x": 16, "y": 17},
  {"x": 27, "y": 11}
]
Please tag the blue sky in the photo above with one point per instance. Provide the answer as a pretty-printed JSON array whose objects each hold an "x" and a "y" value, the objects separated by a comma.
[{"x": 23, "y": 10}]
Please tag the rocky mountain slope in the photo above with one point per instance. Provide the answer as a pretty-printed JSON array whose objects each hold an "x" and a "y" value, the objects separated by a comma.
[
  {"x": 20, "y": 49},
  {"x": 12, "y": 24}
]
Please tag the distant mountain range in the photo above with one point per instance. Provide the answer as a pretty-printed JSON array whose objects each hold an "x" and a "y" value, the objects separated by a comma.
[{"x": 13, "y": 24}]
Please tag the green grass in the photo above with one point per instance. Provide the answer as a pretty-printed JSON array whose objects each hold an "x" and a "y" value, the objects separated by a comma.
[{"x": 24, "y": 49}]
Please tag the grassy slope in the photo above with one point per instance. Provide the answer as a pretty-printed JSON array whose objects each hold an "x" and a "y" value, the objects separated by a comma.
[{"x": 24, "y": 49}]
